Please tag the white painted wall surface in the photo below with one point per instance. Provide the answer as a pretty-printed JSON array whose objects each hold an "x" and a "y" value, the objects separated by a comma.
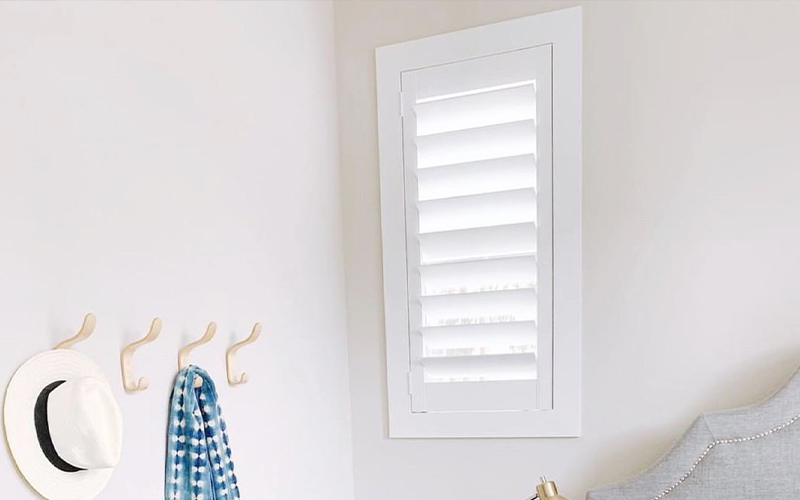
[
  {"x": 691, "y": 236},
  {"x": 180, "y": 160}
]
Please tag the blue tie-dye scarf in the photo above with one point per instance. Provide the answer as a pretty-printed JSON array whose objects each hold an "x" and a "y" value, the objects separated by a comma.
[{"x": 199, "y": 465}]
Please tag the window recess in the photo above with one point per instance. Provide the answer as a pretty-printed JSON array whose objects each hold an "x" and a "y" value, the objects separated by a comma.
[{"x": 480, "y": 187}]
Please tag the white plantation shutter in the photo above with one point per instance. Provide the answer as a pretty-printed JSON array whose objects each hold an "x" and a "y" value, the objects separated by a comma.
[
  {"x": 480, "y": 170},
  {"x": 477, "y": 163}
]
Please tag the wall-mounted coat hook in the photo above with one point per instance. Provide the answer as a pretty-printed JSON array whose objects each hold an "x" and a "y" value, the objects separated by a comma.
[
  {"x": 87, "y": 328},
  {"x": 183, "y": 354},
  {"x": 126, "y": 359},
  {"x": 233, "y": 379}
]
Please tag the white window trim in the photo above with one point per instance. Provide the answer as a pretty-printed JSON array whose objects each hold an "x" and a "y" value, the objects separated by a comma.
[{"x": 561, "y": 29}]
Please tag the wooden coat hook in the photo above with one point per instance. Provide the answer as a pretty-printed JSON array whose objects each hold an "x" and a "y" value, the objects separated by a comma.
[
  {"x": 243, "y": 378},
  {"x": 87, "y": 328},
  {"x": 126, "y": 359},
  {"x": 183, "y": 354}
]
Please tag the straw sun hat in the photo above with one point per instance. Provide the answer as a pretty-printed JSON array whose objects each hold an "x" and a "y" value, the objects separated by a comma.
[{"x": 63, "y": 426}]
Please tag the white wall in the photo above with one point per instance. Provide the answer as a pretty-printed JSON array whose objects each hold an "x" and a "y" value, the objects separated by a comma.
[
  {"x": 180, "y": 160},
  {"x": 691, "y": 236}
]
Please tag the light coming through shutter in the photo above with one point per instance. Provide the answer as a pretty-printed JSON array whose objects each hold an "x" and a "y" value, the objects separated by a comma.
[{"x": 477, "y": 140}]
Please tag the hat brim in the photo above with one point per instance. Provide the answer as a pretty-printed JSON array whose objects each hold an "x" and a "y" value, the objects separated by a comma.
[{"x": 18, "y": 410}]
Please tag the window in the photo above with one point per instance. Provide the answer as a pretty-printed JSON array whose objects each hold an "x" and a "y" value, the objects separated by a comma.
[{"x": 480, "y": 190}]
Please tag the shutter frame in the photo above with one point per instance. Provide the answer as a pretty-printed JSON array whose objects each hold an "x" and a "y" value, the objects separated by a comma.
[{"x": 432, "y": 216}]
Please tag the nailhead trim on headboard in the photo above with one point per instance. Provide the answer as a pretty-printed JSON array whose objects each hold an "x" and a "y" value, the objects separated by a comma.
[{"x": 721, "y": 442}]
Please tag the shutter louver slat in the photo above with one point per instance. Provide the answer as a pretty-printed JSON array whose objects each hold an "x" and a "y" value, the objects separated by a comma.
[
  {"x": 480, "y": 210},
  {"x": 484, "y": 143},
  {"x": 487, "y": 176},
  {"x": 491, "y": 338},
  {"x": 463, "y": 244},
  {"x": 479, "y": 307},
  {"x": 505, "y": 273},
  {"x": 477, "y": 110}
]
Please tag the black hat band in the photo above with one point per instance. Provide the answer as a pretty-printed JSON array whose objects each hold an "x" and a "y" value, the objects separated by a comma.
[{"x": 43, "y": 430}]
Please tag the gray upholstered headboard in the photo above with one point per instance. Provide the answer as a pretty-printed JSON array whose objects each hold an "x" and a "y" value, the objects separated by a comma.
[{"x": 750, "y": 454}]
